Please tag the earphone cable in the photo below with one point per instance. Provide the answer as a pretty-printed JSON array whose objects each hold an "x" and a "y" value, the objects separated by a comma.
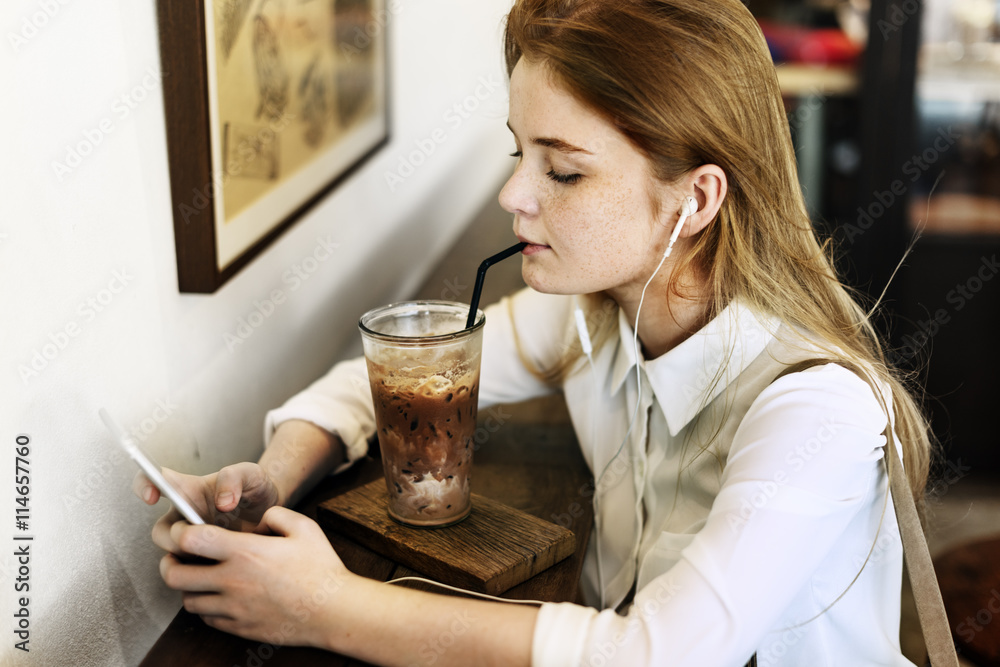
[
  {"x": 463, "y": 591},
  {"x": 691, "y": 207}
]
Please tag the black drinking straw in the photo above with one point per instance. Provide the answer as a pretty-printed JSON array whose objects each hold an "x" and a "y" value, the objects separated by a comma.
[{"x": 481, "y": 277}]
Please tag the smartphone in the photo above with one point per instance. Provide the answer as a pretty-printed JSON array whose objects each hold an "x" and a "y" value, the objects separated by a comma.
[{"x": 151, "y": 470}]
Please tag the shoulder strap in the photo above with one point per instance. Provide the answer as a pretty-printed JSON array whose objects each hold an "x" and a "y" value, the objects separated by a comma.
[{"x": 926, "y": 593}]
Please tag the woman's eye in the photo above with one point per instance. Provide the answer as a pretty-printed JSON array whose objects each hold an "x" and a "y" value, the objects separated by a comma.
[
  {"x": 516, "y": 154},
  {"x": 565, "y": 179}
]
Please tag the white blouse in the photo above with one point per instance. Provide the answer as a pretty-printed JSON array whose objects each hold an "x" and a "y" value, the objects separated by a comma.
[{"x": 754, "y": 551}]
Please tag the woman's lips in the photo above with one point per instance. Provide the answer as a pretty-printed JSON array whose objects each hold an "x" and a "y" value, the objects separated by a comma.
[{"x": 533, "y": 248}]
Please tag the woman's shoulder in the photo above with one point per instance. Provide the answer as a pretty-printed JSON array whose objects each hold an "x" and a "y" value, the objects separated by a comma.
[
  {"x": 830, "y": 377},
  {"x": 533, "y": 324},
  {"x": 831, "y": 395},
  {"x": 817, "y": 362},
  {"x": 532, "y": 315}
]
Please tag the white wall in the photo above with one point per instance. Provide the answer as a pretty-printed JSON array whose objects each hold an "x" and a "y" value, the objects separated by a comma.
[{"x": 152, "y": 353}]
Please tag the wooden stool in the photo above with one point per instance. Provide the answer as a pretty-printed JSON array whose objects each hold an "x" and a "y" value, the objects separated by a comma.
[{"x": 969, "y": 576}]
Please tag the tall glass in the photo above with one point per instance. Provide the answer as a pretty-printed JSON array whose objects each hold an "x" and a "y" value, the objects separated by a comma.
[{"x": 423, "y": 366}]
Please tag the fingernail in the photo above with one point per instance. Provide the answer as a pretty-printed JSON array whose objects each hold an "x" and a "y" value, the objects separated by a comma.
[
  {"x": 224, "y": 499},
  {"x": 147, "y": 495}
]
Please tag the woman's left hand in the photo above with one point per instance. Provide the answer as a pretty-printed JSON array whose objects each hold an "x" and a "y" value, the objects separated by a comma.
[{"x": 281, "y": 588}]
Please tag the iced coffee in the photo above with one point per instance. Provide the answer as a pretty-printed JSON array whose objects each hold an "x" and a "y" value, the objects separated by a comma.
[{"x": 423, "y": 366}]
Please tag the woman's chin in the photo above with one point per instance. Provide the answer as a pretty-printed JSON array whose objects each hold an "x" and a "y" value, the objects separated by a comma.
[
  {"x": 544, "y": 283},
  {"x": 533, "y": 279}
]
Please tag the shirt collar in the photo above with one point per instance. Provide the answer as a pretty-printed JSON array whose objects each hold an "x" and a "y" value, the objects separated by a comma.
[{"x": 682, "y": 379}]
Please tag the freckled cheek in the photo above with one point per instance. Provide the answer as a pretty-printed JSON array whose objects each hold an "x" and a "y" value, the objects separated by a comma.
[
  {"x": 579, "y": 213},
  {"x": 584, "y": 221}
]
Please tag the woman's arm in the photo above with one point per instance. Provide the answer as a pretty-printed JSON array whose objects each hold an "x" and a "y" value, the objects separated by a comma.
[
  {"x": 298, "y": 456},
  {"x": 291, "y": 588},
  {"x": 404, "y": 627}
]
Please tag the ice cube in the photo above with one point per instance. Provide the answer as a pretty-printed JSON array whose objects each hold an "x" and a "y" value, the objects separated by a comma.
[{"x": 435, "y": 384}]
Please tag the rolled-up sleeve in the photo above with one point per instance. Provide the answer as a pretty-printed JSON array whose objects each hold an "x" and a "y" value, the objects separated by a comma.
[
  {"x": 525, "y": 329},
  {"x": 340, "y": 403},
  {"x": 558, "y": 631}
]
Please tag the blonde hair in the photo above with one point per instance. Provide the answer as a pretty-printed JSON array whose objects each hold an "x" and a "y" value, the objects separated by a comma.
[{"x": 691, "y": 82}]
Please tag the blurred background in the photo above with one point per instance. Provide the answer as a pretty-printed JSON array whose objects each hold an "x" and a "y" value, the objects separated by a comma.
[{"x": 895, "y": 112}]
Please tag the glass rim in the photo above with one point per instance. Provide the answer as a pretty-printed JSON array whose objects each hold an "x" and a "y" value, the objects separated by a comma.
[{"x": 422, "y": 340}]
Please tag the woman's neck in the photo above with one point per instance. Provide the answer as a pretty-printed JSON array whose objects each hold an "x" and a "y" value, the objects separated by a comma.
[{"x": 666, "y": 319}]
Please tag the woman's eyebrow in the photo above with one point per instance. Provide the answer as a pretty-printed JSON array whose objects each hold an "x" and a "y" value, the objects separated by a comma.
[
  {"x": 559, "y": 145},
  {"x": 551, "y": 142}
]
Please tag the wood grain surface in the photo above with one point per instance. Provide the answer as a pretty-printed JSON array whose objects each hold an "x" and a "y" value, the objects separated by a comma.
[{"x": 492, "y": 550}]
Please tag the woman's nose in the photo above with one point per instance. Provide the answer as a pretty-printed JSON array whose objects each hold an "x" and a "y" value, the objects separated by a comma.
[{"x": 517, "y": 196}]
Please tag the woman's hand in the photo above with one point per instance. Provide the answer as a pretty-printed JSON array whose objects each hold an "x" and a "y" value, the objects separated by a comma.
[
  {"x": 281, "y": 588},
  {"x": 235, "y": 498}
]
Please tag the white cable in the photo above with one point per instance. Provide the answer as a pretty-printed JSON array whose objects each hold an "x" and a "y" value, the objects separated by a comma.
[
  {"x": 635, "y": 351},
  {"x": 690, "y": 207},
  {"x": 584, "y": 335},
  {"x": 462, "y": 590},
  {"x": 581, "y": 331},
  {"x": 597, "y": 514},
  {"x": 635, "y": 337},
  {"x": 635, "y": 413}
]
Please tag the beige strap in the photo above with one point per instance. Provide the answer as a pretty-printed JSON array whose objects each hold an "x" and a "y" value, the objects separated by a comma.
[
  {"x": 926, "y": 593},
  {"x": 930, "y": 607}
]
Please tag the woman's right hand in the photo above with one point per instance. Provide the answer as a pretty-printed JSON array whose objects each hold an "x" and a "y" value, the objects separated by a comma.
[{"x": 235, "y": 498}]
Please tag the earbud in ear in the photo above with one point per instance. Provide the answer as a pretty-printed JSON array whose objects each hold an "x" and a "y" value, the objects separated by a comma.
[{"x": 688, "y": 208}]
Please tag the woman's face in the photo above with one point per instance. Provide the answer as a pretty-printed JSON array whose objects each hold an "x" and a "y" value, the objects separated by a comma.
[{"x": 580, "y": 195}]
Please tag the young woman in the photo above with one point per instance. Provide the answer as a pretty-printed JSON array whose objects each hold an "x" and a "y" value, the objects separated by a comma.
[{"x": 742, "y": 505}]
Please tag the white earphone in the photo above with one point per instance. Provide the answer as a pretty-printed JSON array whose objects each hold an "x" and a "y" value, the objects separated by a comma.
[{"x": 689, "y": 208}]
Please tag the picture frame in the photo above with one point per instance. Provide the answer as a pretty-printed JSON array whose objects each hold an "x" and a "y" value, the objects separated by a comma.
[{"x": 269, "y": 105}]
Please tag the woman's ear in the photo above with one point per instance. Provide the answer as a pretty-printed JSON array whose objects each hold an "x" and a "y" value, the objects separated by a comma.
[{"x": 708, "y": 185}]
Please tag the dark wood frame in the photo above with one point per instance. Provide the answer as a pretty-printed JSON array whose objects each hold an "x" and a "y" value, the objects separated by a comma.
[{"x": 183, "y": 56}]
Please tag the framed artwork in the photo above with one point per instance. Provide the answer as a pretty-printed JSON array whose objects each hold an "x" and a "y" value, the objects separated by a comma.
[{"x": 269, "y": 104}]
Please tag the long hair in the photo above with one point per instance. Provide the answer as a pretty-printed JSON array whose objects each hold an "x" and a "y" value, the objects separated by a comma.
[{"x": 691, "y": 82}]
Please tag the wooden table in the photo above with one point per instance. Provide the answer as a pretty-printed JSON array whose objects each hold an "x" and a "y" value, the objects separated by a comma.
[{"x": 536, "y": 468}]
